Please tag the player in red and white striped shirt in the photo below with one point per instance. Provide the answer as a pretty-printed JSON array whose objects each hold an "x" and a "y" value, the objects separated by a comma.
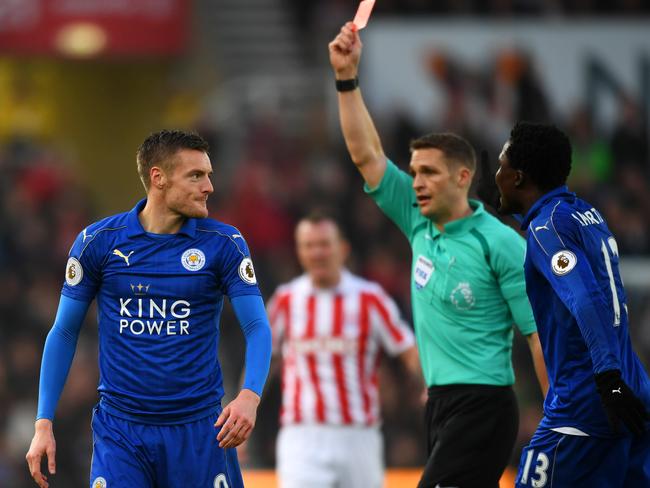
[{"x": 330, "y": 327}]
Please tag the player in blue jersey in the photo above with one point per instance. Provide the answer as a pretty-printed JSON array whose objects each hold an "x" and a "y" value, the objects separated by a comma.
[
  {"x": 159, "y": 273},
  {"x": 594, "y": 432}
]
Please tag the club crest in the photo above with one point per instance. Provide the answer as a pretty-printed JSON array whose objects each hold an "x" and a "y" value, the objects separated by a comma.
[
  {"x": 99, "y": 482},
  {"x": 193, "y": 259}
]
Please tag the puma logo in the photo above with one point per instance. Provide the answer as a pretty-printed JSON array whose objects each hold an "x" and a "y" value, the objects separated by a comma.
[
  {"x": 617, "y": 390},
  {"x": 117, "y": 252},
  {"x": 540, "y": 227},
  {"x": 86, "y": 236}
]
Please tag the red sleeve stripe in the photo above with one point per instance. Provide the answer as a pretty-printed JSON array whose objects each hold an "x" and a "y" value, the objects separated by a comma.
[
  {"x": 393, "y": 329},
  {"x": 283, "y": 305},
  {"x": 280, "y": 306}
]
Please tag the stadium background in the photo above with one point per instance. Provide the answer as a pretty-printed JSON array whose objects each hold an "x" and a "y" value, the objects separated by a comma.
[{"x": 82, "y": 83}]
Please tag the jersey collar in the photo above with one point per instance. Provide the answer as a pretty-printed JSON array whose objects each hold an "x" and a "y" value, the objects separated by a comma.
[
  {"x": 559, "y": 192},
  {"x": 134, "y": 227},
  {"x": 340, "y": 287},
  {"x": 465, "y": 224}
]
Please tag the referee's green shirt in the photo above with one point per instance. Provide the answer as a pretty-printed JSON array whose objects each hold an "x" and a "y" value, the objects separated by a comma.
[{"x": 467, "y": 288}]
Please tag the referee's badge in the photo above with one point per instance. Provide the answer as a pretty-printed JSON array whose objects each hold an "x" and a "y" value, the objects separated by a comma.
[
  {"x": 562, "y": 262},
  {"x": 422, "y": 272},
  {"x": 462, "y": 296},
  {"x": 246, "y": 271},
  {"x": 73, "y": 272},
  {"x": 193, "y": 259}
]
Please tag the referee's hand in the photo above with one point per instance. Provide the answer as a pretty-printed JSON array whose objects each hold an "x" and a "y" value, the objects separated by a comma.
[
  {"x": 238, "y": 419},
  {"x": 345, "y": 52},
  {"x": 43, "y": 443}
]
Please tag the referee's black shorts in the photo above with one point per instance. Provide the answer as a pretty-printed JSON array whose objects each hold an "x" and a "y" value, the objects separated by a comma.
[{"x": 471, "y": 430}]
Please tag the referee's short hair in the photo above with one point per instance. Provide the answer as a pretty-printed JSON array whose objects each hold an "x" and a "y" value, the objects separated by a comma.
[
  {"x": 160, "y": 147},
  {"x": 455, "y": 148},
  {"x": 541, "y": 151}
]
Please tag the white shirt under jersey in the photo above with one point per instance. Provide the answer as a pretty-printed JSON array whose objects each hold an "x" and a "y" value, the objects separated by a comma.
[{"x": 331, "y": 340}]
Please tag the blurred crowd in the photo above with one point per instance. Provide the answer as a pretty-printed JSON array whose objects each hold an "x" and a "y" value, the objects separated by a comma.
[
  {"x": 42, "y": 208},
  {"x": 310, "y": 13},
  {"x": 517, "y": 7},
  {"x": 268, "y": 177}
]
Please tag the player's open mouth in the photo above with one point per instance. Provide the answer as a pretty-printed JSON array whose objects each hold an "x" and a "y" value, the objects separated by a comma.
[{"x": 423, "y": 200}]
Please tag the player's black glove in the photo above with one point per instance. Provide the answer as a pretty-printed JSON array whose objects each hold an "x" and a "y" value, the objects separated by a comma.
[
  {"x": 620, "y": 403},
  {"x": 487, "y": 189}
]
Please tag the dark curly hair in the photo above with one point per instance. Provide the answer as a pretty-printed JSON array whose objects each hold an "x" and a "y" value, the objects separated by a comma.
[{"x": 541, "y": 151}]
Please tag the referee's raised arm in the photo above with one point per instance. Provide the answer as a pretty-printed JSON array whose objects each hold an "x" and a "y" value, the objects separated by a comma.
[{"x": 359, "y": 131}]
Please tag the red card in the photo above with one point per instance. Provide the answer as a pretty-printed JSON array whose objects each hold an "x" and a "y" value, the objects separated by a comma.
[{"x": 363, "y": 13}]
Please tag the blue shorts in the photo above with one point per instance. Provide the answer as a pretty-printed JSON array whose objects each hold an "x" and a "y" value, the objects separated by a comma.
[
  {"x": 133, "y": 455},
  {"x": 569, "y": 461}
]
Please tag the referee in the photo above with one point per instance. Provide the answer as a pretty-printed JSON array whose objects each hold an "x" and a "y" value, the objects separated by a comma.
[{"x": 467, "y": 287}]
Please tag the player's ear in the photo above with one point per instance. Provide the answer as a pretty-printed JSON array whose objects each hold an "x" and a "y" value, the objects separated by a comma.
[
  {"x": 464, "y": 176},
  {"x": 157, "y": 176},
  {"x": 519, "y": 178}
]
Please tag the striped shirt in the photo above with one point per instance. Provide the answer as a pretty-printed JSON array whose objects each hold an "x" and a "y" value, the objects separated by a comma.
[{"x": 331, "y": 342}]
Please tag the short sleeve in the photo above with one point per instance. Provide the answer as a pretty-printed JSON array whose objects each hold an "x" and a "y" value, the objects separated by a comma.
[
  {"x": 395, "y": 197},
  {"x": 394, "y": 334},
  {"x": 278, "y": 309},
  {"x": 83, "y": 270}
]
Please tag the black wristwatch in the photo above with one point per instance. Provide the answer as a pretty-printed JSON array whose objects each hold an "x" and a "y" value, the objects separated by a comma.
[{"x": 347, "y": 85}]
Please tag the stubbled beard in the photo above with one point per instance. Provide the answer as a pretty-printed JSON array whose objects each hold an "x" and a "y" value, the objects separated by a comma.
[{"x": 190, "y": 212}]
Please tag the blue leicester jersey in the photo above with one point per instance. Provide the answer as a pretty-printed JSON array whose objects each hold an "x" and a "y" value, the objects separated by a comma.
[
  {"x": 159, "y": 299},
  {"x": 578, "y": 299}
]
